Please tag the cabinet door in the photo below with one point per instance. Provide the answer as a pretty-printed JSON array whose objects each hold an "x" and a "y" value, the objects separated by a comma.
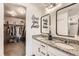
[
  {"x": 55, "y": 52},
  {"x": 36, "y": 47},
  {"x": 50, "y": 54},
  {"x": 50, "y": 51}
]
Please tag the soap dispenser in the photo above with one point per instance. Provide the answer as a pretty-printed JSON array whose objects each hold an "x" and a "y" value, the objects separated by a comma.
[{"x": 49, "y": 36}]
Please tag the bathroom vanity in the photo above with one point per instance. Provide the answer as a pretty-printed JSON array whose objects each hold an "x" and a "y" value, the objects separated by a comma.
[{"x": 55, "y": 47}]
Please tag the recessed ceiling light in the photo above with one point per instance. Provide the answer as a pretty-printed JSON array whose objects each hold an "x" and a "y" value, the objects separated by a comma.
[
  {"x": 21, "y": 10},
  {"x": 12, "y": 13}
]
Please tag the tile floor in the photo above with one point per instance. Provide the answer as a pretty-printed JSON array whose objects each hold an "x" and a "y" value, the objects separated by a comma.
[{"x": 14, "y": 49}]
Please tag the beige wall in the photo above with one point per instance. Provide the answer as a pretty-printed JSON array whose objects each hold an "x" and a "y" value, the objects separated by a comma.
[
  {"x": 31, "y": 31},
  {"x": 1, "y": 29}
]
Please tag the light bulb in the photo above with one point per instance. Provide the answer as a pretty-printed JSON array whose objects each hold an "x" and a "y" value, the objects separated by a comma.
[{"x": 21, "y": 10}]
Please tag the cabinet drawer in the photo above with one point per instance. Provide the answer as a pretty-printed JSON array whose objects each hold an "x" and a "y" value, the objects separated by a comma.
[
  {"x": 43, "y": 49},
  {"x": 43, "y": 46}
]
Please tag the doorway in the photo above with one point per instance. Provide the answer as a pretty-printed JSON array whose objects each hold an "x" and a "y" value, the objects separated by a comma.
[{"x": 14, "y": 30}]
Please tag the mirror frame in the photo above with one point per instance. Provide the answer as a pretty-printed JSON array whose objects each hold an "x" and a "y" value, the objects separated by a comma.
[{"x": 57, "y": 19}]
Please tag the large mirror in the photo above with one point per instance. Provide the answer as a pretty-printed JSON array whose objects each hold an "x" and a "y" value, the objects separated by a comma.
[{"x": 67, "y": 20}]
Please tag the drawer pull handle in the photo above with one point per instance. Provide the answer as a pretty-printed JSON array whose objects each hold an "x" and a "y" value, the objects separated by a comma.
[
  {"x": 42, "y": 45},
  {"x": 43, "y": 53},
  {"x": 38, "y": 49}
]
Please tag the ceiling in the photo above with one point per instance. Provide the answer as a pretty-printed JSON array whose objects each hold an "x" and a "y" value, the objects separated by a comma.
[
  {"x": 43, "y": 6},
  {"x": 14, "y": 10},
  {"x": 46, "y": 5}
]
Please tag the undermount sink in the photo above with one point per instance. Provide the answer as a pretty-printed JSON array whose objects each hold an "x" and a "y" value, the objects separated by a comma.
[
  {"x": 40, "y": 38},
  {"x": 65, "y": 46}
]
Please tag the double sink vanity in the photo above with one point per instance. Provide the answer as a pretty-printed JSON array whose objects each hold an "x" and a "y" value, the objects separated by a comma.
[{"x": 55, "y": 47}]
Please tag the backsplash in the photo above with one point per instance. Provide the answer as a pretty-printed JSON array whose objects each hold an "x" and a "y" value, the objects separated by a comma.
[{"x": 67, "y": 41}]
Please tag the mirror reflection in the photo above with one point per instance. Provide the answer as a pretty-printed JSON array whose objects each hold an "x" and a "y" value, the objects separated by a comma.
[{"x": 68, "y": 20}]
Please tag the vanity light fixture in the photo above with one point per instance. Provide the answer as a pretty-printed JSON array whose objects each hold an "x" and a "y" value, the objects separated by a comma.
[{"x": 52, "y": 8}]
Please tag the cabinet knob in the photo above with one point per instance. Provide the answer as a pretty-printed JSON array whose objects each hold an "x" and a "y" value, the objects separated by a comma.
[
  {"x": 43, "y": 53},
  {"x": 42, "y": 45}
]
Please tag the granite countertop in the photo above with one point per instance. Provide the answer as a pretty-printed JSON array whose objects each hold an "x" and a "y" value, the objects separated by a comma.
[{"x": 73, "y": 52}]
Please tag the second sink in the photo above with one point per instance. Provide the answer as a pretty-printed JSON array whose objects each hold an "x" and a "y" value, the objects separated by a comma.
[{"x": 65, "y": 46}]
